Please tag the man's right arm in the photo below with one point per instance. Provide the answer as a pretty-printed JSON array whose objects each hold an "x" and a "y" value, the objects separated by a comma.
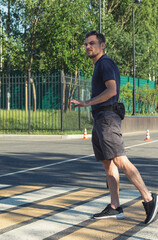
[{"x": 109, "y": 92}]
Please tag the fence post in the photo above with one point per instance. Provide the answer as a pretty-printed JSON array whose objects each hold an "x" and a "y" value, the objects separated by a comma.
[
  {"x": 29, "y": 102},
  {"x": 61, "y": 100},
  {"x": 79, "y": 111},
  {"x": 8, "y": 92}
]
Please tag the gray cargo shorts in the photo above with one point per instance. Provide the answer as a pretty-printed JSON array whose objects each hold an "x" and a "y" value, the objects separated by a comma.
[{"x": 107, "y": 138}]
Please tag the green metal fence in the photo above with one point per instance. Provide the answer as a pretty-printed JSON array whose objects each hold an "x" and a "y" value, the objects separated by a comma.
[
  {"x": 142, "y": 105},
  {"x": 138, "y": 82},
  {"x": 41, "y": 102}
]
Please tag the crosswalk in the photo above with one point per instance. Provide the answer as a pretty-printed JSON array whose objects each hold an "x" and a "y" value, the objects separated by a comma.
[{"x": 38, "y": 213}]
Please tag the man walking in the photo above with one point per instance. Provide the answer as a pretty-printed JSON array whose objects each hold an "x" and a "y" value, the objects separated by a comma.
[{"x": 106, "y": 135}]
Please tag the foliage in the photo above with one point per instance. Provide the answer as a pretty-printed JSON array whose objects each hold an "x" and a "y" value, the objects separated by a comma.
[
  {"x": 49, "y": 34},
  {"x": 146, "y": 98},
  {"x": 126, "y": 95}
]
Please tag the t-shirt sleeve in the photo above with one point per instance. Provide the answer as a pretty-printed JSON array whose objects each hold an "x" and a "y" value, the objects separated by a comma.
[{"x": 107, "y": 70}]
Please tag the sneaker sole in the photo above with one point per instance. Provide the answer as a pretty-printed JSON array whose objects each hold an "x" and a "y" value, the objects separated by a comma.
[
  {"x": 119, "y": 216},
  {"x": 155, "y": 212}
]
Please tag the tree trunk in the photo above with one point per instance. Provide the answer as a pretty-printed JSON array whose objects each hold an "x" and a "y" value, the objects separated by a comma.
[
  {"x": 72, "y": 90},
  {"x": 64, "y": 90},
  {"x": 34, "y": 94},
  {"x": 32, "y": 48}
]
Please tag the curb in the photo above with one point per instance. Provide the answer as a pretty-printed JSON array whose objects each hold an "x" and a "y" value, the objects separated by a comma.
[
  {"x": 14, "y": 137},
  {"x": 42, "y": 137}
]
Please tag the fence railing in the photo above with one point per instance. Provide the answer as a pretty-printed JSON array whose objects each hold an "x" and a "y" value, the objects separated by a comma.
[
  {"x": 41, "y": 103},
  {"x": 32, "y": 103}
]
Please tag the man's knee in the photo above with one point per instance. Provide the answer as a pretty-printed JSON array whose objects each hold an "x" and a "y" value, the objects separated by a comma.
[
  {"x": 106, "y": 164},
  {"x": 121, "y": 162}
]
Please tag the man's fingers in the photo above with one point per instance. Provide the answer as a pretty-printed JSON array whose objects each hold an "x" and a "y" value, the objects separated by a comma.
[
  {"x": 74, "y": 101},
  {"x": 78, "y": 103}
]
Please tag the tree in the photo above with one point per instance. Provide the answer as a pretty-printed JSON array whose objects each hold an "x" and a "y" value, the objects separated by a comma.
[
  {"x": 126, "y": 95},
  {"x": 49, "y": 34},
  {"x": 63, "y": 47},
  {"x": 117, "y": 27},
  {"x": 147, "y": 50}
]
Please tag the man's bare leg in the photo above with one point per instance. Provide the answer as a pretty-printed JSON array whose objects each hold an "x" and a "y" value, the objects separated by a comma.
[
  {"x": 133, "y": 175},
  {"x": 112, "y": 175}
]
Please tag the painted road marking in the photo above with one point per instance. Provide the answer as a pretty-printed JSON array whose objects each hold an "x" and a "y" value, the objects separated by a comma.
[
  {"x": 22, "y": 199},
  {"x": 141, "y": 144},
  {"x": 4, "y": 186},
  {"x": 47, "y": 206},
  {"x": 8, "y": 192},
  {"x": 65, "y": 161},
  {"x": 43, "y": 166},
  {"x": 148, "y": 233},
  {"x": 110, "y": 228},
  {"x": 58, "y": 222}
]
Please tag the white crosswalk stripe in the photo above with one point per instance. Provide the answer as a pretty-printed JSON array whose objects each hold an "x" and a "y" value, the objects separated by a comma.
[
  {"x": 4, "y": 186},
  {"x": 150, "y": 232},
  {"x": 21, "y": 199}
]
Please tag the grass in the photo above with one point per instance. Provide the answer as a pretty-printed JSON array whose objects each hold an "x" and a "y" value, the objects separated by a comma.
[{"x": 47, "y": 122}]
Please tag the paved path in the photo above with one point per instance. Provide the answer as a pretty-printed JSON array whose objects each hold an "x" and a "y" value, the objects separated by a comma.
[{"x": 50, "y": 189}]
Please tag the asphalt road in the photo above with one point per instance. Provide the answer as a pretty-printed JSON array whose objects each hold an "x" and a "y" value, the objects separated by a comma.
[
  {"x": 65, "y": 173},
  {"x": 24, "y": 154}
]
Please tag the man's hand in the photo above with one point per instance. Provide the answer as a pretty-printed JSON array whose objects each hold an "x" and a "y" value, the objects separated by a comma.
[
  {"x": 109, "y": 92},
  {"x": 79, "y": 103}
]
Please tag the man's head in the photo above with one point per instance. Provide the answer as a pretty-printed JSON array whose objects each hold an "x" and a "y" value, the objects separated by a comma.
[
  {"x": 99, "y": 36},
  {"x": 95, "y": 45}
]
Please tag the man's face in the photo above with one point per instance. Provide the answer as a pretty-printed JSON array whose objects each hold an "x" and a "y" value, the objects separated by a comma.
[{"x": 93, "y": 47}]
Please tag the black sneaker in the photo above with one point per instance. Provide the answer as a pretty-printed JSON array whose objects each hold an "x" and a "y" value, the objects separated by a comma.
[
  {"x": 151, "y": 209},
  {"x": 109, "y": 212}
]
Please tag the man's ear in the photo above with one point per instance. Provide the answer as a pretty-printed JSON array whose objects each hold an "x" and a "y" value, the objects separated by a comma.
[{"x": 103, "y": 46}]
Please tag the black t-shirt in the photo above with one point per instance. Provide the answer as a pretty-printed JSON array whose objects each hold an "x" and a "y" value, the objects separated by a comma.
[{"x": 105, "y": 69}]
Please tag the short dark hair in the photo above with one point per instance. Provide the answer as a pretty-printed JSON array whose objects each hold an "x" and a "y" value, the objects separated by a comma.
[{"x": 99, "y": 36}]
